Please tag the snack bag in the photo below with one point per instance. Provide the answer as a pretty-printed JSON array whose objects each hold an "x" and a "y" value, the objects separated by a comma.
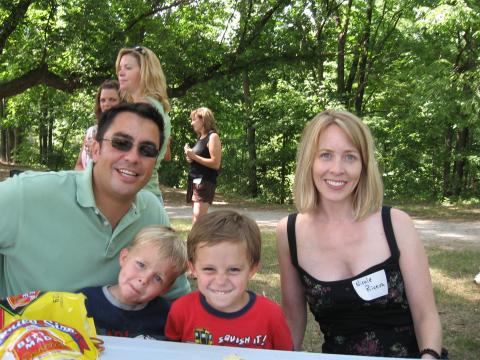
[
  {"x": 44, "y": 339},
  {"x": 44, "y": 310}
]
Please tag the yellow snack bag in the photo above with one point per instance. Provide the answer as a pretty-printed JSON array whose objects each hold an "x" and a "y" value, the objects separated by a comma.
[
  {"x": 57, "y": 319},
  {"x": 44, "y": 339}
]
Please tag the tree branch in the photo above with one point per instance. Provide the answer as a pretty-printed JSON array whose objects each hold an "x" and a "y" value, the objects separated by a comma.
[
  {"x": 156, "y": 9},
  {"x": 224, "y": 66},
  {"x": 243, "y": 45},
  {"x": 42, "y": 75},
  {"x": 11, "y": 23}
]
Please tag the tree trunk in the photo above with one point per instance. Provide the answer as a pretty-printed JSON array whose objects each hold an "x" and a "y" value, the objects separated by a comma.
[
  {"x": 251, "y": 137},
  {"x": 466, "y": 61},
  {"x": 10, "y": 145},
  {"x": 362, "y": 70},
  {"x": 447, "y": 189},
  {"x": 283, "y": 167},
  {"x": 341, "y": 41},
  {"x": 50, "y": 149},
  {"x": 460, "y": 162},
  {"x": 319, "y": 20},
  {"x": 3, "y": 134},
  {"x": 43, "y": 130}
]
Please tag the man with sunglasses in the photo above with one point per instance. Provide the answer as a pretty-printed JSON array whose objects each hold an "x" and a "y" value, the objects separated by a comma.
[{"x": 63, "y": 231}]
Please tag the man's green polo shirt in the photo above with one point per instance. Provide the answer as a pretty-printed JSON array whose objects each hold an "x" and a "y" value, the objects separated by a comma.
[{"x": 53, "y": 237}]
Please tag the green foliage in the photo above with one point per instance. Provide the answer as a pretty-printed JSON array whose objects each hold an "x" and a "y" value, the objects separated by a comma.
[
  {"x": 411, "y": 71},
  {"x": 68, "y": 116}
]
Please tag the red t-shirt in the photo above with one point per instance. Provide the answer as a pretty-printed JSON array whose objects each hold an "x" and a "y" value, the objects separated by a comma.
[{"x": 260, "y": 324}]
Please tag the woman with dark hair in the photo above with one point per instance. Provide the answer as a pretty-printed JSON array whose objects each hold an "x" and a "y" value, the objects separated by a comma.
[
  {"x": 107, "y": 97},
  {"x": 204, "y": 159}
]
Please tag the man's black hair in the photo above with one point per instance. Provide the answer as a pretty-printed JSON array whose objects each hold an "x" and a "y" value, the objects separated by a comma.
[{"x": 143, "y": 110}]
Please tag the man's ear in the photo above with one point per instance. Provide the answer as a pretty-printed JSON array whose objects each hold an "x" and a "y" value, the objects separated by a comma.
[
  {"x": 95, "y": 150},
  {"x": 123, "y": 256}
]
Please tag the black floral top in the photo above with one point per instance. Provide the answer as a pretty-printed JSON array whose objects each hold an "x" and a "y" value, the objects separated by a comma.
[{"x": 367, "y": 314}]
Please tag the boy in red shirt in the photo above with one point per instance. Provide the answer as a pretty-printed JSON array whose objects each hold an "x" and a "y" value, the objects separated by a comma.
[{"x": 224, "y": 253}]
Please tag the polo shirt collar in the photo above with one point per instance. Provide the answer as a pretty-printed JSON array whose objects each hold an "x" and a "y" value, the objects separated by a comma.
[{"x": 84, "y": 186}]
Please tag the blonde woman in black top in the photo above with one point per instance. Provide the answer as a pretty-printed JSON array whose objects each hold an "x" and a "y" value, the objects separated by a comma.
[{"x": 360, "y": 266}]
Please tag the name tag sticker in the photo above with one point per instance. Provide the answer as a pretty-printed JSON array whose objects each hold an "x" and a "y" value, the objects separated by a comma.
[{"x": 371, "y": 286}]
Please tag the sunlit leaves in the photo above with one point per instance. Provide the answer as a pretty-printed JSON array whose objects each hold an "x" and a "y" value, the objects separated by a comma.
[{"x": 421, "y": 84}]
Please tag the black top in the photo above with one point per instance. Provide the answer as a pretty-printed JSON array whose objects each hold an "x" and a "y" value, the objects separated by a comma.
[
  {"x": 198, "y": 170},
  {"x": 362, "y": 315}
]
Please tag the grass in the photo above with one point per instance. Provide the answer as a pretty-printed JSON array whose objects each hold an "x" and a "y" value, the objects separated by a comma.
[
  {"x": 452, "y": 270},
  {"x": 445, "y": 211},
  {"x": 458, "y": 299}
]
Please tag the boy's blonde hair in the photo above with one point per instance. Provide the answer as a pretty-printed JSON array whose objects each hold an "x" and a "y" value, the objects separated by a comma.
[
  {"x": 368, "y": 195},
  {"x": 169, "y": 245},
  {"x": 225, "y": 226},
  {"x": 152, "y": 78},
  {"x": 208, "y": 120}
]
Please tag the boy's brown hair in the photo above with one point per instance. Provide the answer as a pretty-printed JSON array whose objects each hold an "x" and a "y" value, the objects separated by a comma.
[{"x": 225, "y": 225}]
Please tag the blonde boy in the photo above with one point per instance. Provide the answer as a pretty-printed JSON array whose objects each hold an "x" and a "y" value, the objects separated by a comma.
[
  {"x": 223, "y": 254},
  {"x": 148, "y": 268}
]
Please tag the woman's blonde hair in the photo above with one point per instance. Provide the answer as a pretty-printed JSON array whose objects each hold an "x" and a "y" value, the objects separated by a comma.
[
  {"x": 208, "y": 120},
  {"x": 152, "y": 78},
  {"x": 168, "y": 244},
  {"x": 368, "y": 195}
]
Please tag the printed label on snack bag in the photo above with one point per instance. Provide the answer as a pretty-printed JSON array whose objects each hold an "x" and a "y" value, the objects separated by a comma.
[
  {"x": 371, "y": 286},
  {"x": 18, "y": 301},
  {"x": 34, "y": 343}
]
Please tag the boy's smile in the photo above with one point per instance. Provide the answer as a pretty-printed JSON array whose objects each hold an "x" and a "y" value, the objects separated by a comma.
[{"x": 223, "y": 272}]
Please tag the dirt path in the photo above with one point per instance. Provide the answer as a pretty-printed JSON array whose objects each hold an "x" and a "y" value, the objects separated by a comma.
[{"x": 449, "y": 233}]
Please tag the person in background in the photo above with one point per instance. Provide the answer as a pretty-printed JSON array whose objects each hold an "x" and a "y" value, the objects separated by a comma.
[
  {"x": 148, "y": 267},
  {"x": 96, "y": 212},
  {"x": 107, "y": 96},
  {"x": 360, "y": 266},
  {"x": 142, "y": 80},
  {"x": 224, "y": 250},
  {"x": 205, "y": 159}
]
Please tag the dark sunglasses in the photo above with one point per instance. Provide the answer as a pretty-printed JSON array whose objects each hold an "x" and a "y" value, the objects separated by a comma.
[
  {"x": 145, "y": 149},
  {"x": 139, "y": 49}
]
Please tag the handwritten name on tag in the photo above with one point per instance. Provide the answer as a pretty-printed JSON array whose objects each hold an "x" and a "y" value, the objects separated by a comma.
[{"x": 371, "y": 286}]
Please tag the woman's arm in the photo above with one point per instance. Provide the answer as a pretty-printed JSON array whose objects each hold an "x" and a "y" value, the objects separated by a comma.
[
  {"x": 215, "y": 149},
  {"x": 418, "y": 284},
  {"x": 292, "y": 290},
  {"x": 168, "y": 152},
  {"x": 79, "y": 163}
]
